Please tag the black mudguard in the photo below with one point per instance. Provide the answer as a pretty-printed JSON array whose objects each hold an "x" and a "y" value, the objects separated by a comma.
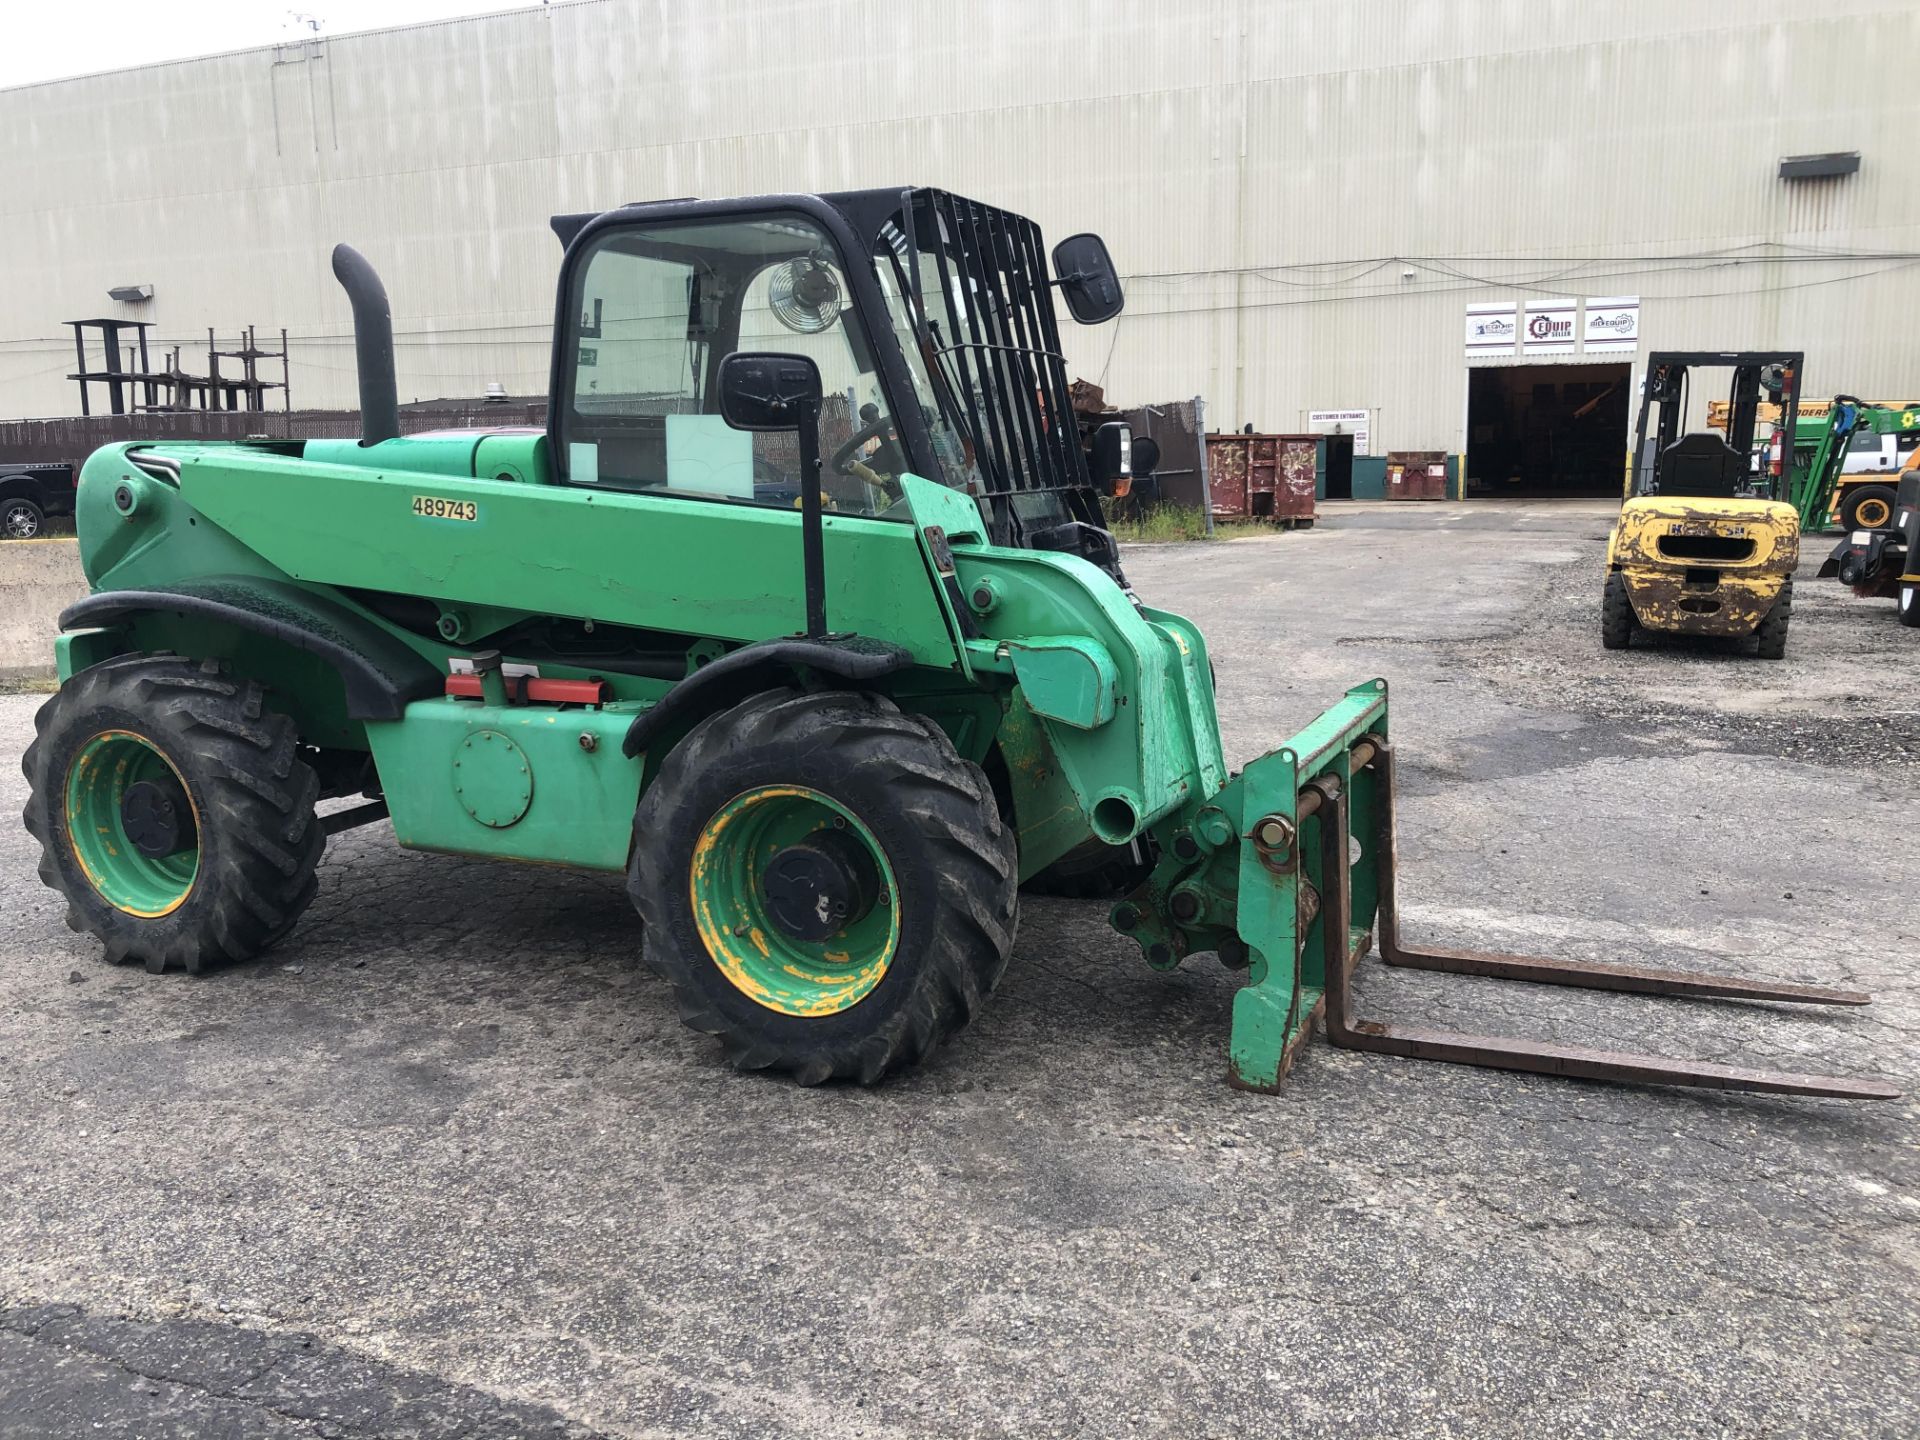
[{"x": 380, "y": 673}]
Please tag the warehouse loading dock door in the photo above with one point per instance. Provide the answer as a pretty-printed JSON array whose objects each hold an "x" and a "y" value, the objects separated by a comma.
[{"x": 1543, "y": 431}]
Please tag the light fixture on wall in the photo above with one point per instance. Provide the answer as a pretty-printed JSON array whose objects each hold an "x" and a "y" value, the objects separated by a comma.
[
  {"x": 130, "y": 294},
  {"x": 1829, "y": 166}
]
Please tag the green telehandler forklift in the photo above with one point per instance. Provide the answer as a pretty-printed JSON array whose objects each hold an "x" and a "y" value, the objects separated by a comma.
[{"x": 801, "y": 612}]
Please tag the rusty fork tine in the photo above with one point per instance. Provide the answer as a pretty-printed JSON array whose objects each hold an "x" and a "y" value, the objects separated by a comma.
[
  {"x": 1541, "y": 970},
  {"x": 1496, "y": 1052},
  {"x": 1643, "y": 980}
]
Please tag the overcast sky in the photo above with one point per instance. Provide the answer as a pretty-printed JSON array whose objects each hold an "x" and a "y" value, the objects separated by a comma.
[{"x": 51, "y": 39}]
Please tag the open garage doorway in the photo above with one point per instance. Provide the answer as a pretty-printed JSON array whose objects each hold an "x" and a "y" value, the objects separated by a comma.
[
  {"x": 1337, "y": 454},
  {"x": 1548, "y": 430}
]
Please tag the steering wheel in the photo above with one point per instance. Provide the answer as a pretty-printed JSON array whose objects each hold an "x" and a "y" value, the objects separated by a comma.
[{"x": 877, "y": 427}]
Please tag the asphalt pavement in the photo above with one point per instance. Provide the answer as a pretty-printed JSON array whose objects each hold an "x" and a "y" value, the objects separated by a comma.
[{"x": 444, "y": 1163}]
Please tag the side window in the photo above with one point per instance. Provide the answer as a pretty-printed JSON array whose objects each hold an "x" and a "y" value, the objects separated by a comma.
[
  {"x": 657, "y": 308},
  {"x": 1866, "y": 452},
  {"x": 637, "y": 361}
]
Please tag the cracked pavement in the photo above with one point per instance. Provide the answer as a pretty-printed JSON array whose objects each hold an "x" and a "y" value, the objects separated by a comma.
[{"x": 445, "y": 1164}]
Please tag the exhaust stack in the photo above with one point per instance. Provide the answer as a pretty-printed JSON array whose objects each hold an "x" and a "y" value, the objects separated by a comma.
[{"x": 372, "y": 345}]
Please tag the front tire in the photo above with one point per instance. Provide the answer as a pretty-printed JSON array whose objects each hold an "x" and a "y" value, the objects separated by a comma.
[
  {"x": 1616, "y": 614},
  {"x": 172, "y": 811},
  {"x": 1770, "y": 636},
  {"x": 827, "y": 886}
]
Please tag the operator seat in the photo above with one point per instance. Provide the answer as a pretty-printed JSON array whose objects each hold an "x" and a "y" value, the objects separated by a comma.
[{"x": 1702, "y": 464}]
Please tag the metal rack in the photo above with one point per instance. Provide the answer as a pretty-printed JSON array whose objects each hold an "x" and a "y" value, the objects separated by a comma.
[{"x": 133, "y": 384}]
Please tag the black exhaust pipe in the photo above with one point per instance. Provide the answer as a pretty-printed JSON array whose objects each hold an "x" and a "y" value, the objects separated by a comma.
[{"x": 372, "y": 345}]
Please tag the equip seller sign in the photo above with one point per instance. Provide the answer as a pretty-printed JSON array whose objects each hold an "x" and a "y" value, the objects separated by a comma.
[
  {"x": 1613, "y": 325},
  {"x": 1549, "y": 329}
]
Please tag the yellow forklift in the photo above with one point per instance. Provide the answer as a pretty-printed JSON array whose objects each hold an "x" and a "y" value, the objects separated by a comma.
[{"x": 1706, "y": 543}]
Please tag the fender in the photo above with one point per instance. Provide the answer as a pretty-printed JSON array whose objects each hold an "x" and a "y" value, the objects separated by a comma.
[
  {"x": 761, "y": 666},
  {"x": 382, "y": 675}
]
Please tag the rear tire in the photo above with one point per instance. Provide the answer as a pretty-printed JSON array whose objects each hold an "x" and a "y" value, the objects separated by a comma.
[
  {"x": 140, "y": 732},
  {"x": 926, "y": 935},
  {"x": 21, "y": 519},
  {"x": 1770, "y": 636},
  {"x": 1908, "y": 604},
  {"x": 1617, "y": 622},
  {"x": 1868, "y": 508}
]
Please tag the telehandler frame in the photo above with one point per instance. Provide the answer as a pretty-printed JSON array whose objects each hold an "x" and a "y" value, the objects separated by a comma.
[{"x": 826, "y": 713}]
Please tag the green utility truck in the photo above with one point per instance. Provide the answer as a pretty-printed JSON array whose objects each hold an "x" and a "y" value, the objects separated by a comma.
[
  {"x": 1828, "y": 488},
  {"x": 802, "y": 612}
]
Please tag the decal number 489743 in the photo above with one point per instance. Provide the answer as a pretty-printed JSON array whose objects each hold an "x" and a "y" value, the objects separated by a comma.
[{"x": 434, "y": 508}]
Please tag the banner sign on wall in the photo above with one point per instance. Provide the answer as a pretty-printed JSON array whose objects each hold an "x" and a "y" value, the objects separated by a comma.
[
  {"x": 1357, "y": 423},
  {"x": 1550, "y": 327},
  {"x": 1613, "y": 325},
  {"x": 1491, "y": 329}
]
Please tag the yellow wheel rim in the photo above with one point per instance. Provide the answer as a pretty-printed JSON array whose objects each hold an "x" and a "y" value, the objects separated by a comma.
[
  {"x": 745, "y": 918},
  {"x": 113, "y": 770},
  {"x": 1872, "y": 513}
]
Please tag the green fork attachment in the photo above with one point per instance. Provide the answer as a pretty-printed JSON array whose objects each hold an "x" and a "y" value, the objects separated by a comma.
[{"x": 1291, "y": 872}]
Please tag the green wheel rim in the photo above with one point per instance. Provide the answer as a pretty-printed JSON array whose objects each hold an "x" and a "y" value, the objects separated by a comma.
[
  {"x": 97, "y": 783},
  {"x": 764, "y": 962}
]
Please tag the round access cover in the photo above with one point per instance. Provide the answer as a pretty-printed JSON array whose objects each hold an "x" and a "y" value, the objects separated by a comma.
[{"x": 493, "y": 778}]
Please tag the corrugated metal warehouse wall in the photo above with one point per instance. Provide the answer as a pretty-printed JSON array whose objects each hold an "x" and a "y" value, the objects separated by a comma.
[{"x": 1304, "y": 195}]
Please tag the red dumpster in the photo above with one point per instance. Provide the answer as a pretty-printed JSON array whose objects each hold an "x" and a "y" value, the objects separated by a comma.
[
  {"x": 1262, "y": 477},
  {"x": 1416, "y": 475}
]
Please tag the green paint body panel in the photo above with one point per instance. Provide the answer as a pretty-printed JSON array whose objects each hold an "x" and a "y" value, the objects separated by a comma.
[
  {"x": 438, "y": 772},
  {"x": 1066, "y": 679},
  {"x": 1148, "y": 757},
  {"x": 77, "y": 650},
  {"x": 1048, "y": 815},
  {"x": 658, "y": 561},
  {"x": 957, "y": 518},
  {"x": 956, "y": 514}
]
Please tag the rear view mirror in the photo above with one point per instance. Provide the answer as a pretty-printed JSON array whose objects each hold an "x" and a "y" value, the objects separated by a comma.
[
  {"x": 763, "y": 391},
  {"x": 1110, "y": 458},
  {"x": 1087, "y": 278},
  {"x": 767, "y": 391}
]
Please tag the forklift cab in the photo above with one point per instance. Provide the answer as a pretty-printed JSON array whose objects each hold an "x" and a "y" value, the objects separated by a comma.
[
  {"x": 1704, "y": 463},
  {"x": 929, "y": 317}
]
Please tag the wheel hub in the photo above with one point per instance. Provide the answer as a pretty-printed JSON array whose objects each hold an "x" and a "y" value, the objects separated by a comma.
[
  {"x": 818, "y": 887},
  {"x": 130, "y": 824},
  {"x": 157, "y": 818}
]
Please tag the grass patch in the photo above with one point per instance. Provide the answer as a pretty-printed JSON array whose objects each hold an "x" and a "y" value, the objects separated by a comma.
[{"x": 1164, "y": 524}]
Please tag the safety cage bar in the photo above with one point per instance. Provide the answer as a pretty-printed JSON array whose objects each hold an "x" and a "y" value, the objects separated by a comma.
[{"x": 992, "y": 333}]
